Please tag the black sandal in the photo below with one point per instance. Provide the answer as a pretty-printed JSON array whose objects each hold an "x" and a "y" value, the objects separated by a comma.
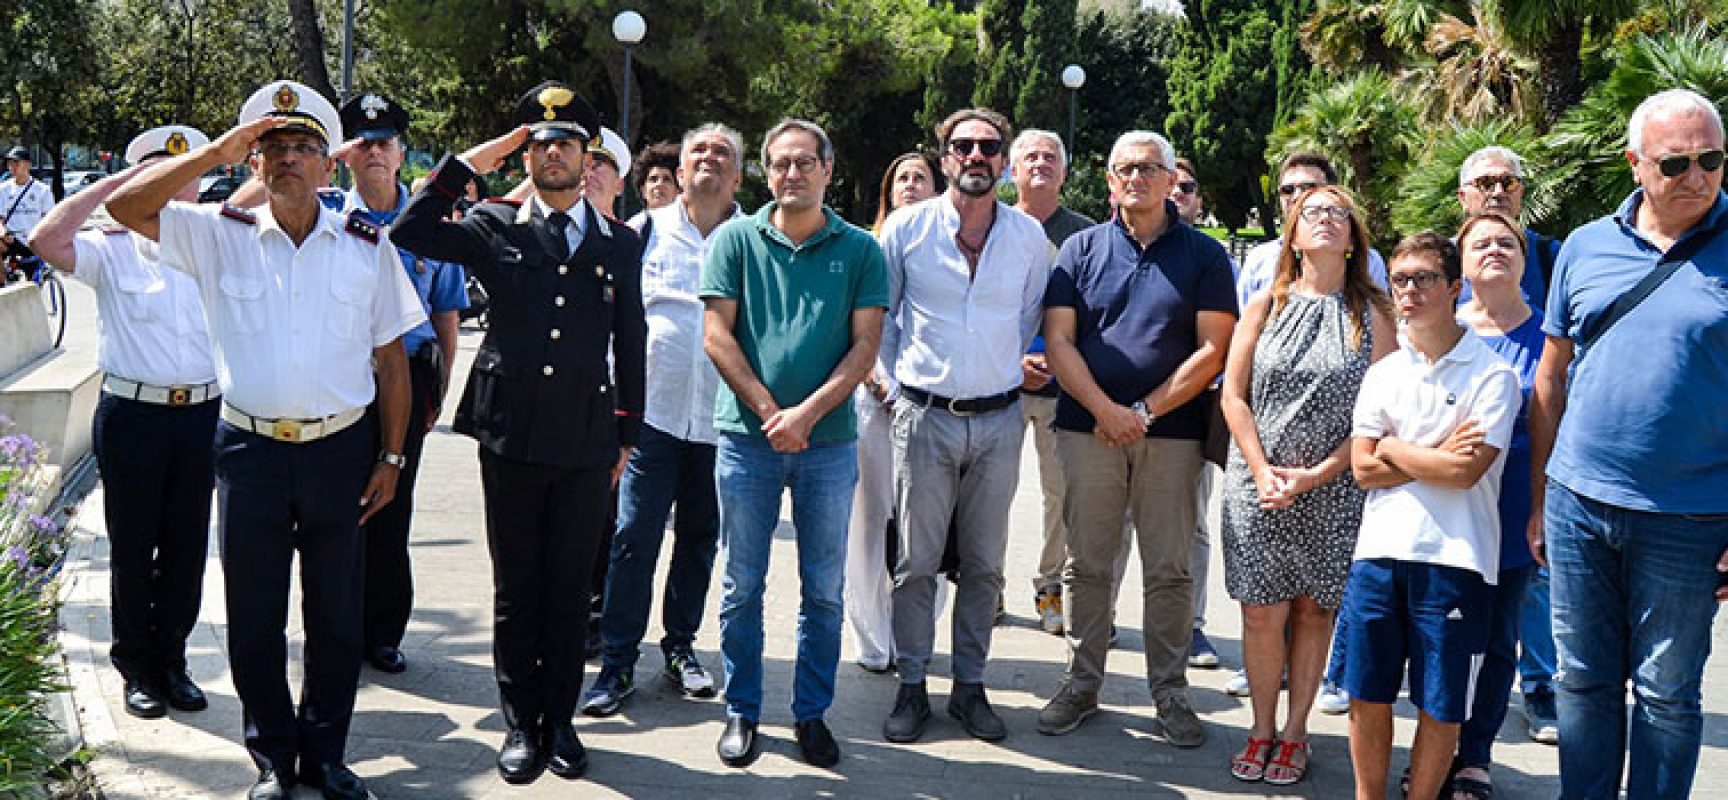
[
  {"x": 1447, "y": 786},
  {"x": 1470, "y": 787}
]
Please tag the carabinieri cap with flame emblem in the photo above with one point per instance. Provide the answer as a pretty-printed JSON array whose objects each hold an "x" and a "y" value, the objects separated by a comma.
[
  {"x": 374, "y": 116},
  {"x": 553, "y": 110}
]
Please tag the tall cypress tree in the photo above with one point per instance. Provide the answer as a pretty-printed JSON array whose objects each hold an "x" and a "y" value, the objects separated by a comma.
[
  {"x": 1223, "y": 96},
  {"x": 999, "y": 42},
  {"x": 1048, "y": 46}
]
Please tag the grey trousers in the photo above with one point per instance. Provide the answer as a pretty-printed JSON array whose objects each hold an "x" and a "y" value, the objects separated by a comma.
[
  {"x": 1152, "y": 482},
  {"x": 959, "y": 470}
]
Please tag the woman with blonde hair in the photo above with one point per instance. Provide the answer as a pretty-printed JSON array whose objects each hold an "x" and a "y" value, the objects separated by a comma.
[{"x": 1291, "y": 507}]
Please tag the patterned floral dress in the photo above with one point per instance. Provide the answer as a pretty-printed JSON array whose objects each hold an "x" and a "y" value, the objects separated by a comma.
[{"x": 1302, "y": 392}]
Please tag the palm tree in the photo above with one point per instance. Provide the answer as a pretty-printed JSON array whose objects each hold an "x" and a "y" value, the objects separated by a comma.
[
  {"x": 1476, "y": 72},
  {"x": 1346, "y": 35},
  {"x": 1553, "y": 32},
  {"x": 1428, "y": 194}
]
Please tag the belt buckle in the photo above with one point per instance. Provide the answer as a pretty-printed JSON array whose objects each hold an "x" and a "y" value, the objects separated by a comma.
[
  {"x": 285, "y": 430},
  {"x": 953, "y": 408},
  {"x": 179, "y": 396}
]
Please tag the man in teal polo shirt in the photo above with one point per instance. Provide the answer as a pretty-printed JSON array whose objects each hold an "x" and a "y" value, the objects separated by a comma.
[{"x": 795, "y": 298}]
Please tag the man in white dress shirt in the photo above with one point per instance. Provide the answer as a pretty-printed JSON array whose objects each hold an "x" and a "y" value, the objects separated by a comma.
[{"x": 302, "y": 303}]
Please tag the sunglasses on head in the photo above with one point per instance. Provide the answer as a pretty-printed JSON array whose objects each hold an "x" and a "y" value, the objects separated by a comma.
[
  {"x": 987, "y": 147},
  {"x": 1676, "y": 165}
]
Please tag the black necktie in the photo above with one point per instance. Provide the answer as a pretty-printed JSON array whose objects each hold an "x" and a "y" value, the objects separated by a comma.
[{"x": 559, "y": 221}]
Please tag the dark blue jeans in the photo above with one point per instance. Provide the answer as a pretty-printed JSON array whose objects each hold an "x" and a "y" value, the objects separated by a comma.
[
  {"x": 663, "y": 470},
  {"x": 1499, "y": 667},
  {"x": 1634, "y": 600}
]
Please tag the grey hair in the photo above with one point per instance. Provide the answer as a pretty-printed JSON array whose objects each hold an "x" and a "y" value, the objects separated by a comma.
[
  {"x": 1672, "y": 102},
  {"x": 734, "y": 139},
  {"x": 824, "y": 147},
  {"x": 1142, "y": 139},
  {"x": 1491, "y": 153},
  {"x": 1027, "y": 137}
]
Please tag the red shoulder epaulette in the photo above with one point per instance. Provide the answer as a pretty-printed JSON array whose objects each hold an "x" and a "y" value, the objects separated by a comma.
[
  {"x": 509, "y": 201},
  {"x": 114, "y": 229},
  {"x": 239, "y": 214},
  {"x": 362, "y": 228}
]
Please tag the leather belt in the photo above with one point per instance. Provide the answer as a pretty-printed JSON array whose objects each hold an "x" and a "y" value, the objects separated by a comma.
[
  {"x": 292, "y": 431},
  {"x": 962, "y": 408},
  {"x": 159, "y": 395}
]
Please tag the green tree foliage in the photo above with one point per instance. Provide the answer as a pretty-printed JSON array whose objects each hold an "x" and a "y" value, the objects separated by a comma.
[
  {"x": 1291, "y": 66},
  {"x": 999, "y": 68},
  {"x": 1026, "y": 43},
  {"x": 1126, "y": 54},
  {"x": 47, "y": 53},
  {"x": 1366, "y": 126},
  {"x": 1223, "y": 95},
  {"x": 1428, "y": 193}
]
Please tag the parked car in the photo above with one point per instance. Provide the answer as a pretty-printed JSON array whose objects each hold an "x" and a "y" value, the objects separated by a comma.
[
  {"x": 76, "y": 182},
  {"x": 216, "y": 188}
]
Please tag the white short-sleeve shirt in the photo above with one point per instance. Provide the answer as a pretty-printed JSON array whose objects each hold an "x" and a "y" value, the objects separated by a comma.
[
  {"x": 150, "y": 316},
  {"x": 1405, "y": 397},
  {"x": 293, "y": 327}
]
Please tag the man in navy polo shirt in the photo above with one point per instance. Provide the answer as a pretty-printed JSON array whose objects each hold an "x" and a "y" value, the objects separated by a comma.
[
  {"x": 1138, "y": 318},
  {"x": 1629, "y": 459}
]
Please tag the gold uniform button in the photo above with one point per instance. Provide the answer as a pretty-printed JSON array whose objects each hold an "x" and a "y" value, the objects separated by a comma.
[
  {"x": 558, "y": 301},
  {"x": 546, "y": 370},
  {"x": 556, "y": 333}
]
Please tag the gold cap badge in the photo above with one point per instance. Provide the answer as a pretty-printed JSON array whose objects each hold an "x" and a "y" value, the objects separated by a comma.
[
  {"x": 553, "y": 98},
  {"x": 286, "y": 99},
  {"x": 176, "y": 144}
]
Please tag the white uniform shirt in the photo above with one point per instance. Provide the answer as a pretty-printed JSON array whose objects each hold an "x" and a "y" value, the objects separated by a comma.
[
  {"x": 683, "y": 378},
  {"x": 1406, "y": 397},
  {"x": 293, "y": 328},
  {"x": 150, "y": 316},
  {"x": 34, "y": 200},
  {"x": 949, "y": 332},
  {"x": 1261, "y": 266}
]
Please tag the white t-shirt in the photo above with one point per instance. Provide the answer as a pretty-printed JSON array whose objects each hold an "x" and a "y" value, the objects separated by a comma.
[
  {"x": 22, "y": 206},
  {"x": 1406, "y": 397}
]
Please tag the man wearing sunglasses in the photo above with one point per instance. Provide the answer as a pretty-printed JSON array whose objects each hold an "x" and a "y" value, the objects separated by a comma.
[
  {"x": 1491, "y": 181},
  {"x": 1629, "y": 458},
  {"x": 966, "y": 276},
  {"x": 1298, "y": 173}
]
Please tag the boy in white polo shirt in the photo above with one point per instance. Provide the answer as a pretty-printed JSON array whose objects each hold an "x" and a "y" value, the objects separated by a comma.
[{"x": 1431, "y": 423}]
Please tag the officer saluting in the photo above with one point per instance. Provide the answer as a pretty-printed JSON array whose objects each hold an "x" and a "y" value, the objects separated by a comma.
[
  {"x": 151, "y": 431},
  {"x": 302, "y": 301},
  {"x": 554, "y": 431},
  {"x": 374, "y": 158}
]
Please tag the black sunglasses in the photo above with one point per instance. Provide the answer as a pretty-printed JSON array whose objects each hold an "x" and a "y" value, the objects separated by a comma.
[
  {"x": 1188, "y": 187},
  {"x": 1676, "y": 165},
  {"x": 1293, "y": 189},
  {"x": 989, "y": 148}
]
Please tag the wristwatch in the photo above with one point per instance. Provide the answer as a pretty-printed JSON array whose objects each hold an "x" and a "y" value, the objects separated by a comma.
[
  {"x": 396, "y": 460},
  {"x": 1145, "y": 414}
]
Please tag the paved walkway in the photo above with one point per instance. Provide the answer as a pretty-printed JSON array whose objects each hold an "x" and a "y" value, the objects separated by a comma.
[{"x": 432, "y": 732}]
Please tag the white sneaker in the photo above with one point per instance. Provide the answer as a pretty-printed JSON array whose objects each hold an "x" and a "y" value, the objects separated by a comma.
[
  {"x": 1333, "y": 699},
  {"x": 1237, "y": 685},
  {"x": 688, "y": 675}
]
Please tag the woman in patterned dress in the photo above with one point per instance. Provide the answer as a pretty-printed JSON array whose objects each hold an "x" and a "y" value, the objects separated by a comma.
[{"x": 1291, "y": 507}]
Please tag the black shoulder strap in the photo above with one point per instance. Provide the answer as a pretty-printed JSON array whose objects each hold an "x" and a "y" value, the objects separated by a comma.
[
  {"x": 23, "y": 193},
  {"x": 1676, "y": 257}
]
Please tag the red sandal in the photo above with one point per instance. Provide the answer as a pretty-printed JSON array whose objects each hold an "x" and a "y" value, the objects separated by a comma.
[
  {"x": 1250, "y": 764},
  {"x": 1289, "y": 763}
]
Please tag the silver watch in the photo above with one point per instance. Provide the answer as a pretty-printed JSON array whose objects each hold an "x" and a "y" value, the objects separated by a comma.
[
  {"x": 396, "y": 460},
  {"x": 1145, "y": 414}
]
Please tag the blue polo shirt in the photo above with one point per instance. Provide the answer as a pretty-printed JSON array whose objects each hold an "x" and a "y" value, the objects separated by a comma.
[
  {"x": 1135, "y": 313},
  {"x": 1522, "y": 348},
  {"x": 1646, "y": 422},
  {"x": 441, "y": 285}
]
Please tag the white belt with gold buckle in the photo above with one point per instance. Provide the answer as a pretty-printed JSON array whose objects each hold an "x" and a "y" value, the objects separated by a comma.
[
  {"x": 292, "y": 431},
  {"x": 159, "y": 395}
]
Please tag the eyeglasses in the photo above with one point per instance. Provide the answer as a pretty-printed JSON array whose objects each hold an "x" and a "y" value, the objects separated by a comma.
[
  {"x": 1293, "y": 189},
  {"x": 279, "y": 149},
  {"x": 989, "y": 148},
  {"x": 1188, "y": 187},
  {"x": 804, "y": 164},
  {"x": 1486, "y": 183},
  {"x": 1128, "y": 171},
  {"x": 1676, "y": 165},
  {"x": 1318, "y": 214},
  {"x": 1421, "y": 280}
]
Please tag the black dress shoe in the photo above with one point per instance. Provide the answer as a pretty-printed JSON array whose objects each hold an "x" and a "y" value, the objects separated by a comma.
[
  {"x": 335, "y": 781},
  {"x": 143, "y": 701},
  {"x": 565, "y": 755},
  {"x": 183, "y": 694},
  {"x": 385, "y": 658},
  {"x": 270, "y": 785},
  {"x": 519, "y": 760},
  {"x": 738, "y": 746},
  {"x": 816, "y": 743}
]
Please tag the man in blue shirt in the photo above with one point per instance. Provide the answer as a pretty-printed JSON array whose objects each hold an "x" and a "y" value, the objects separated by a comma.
[
  {"x": 1629, "y": 459},
  {"x": 375, "y": 158},
  {"x": 1138, "y": 317}
]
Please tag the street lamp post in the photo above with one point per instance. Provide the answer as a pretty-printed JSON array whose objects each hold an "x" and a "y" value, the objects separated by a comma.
[
  {"x": 190, "y": 7},
  {"x": 1073, "y": 77},
  {"x": 628, "y": 28}
]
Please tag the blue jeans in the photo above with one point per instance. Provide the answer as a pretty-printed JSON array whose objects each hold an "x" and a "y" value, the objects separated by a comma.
[
  {"x": 663, "y": 469},
  {"x": 1536, "y": 659},
  {"x": 1499, "y": 667},
  {"x": 750, "y": 478},
  {"x": 1633, "y": 600}
]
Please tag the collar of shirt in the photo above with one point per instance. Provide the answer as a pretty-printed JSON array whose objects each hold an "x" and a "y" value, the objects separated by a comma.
[
  {"x": 580, "y": 214},
  {"x": 1468, "y": 347},
  {"x": 354, "y": 202},
  {"x": 329, "y": 222},
  {"x": 765, "y": 221},
  {"x": 686, "y": 231},
  {"x": 1171, "y": 223},
  {"x": 1627, "y": 216}
]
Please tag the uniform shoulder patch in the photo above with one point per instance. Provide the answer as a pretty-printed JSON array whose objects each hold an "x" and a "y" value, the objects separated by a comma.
[
  {"x": 509, "y": 201},
  {"x": 332, "y": 198},
  {"x": 361, "y": 227},
  {"x": 239, "y": 214},
  {"x": 114, "y": 229}
]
